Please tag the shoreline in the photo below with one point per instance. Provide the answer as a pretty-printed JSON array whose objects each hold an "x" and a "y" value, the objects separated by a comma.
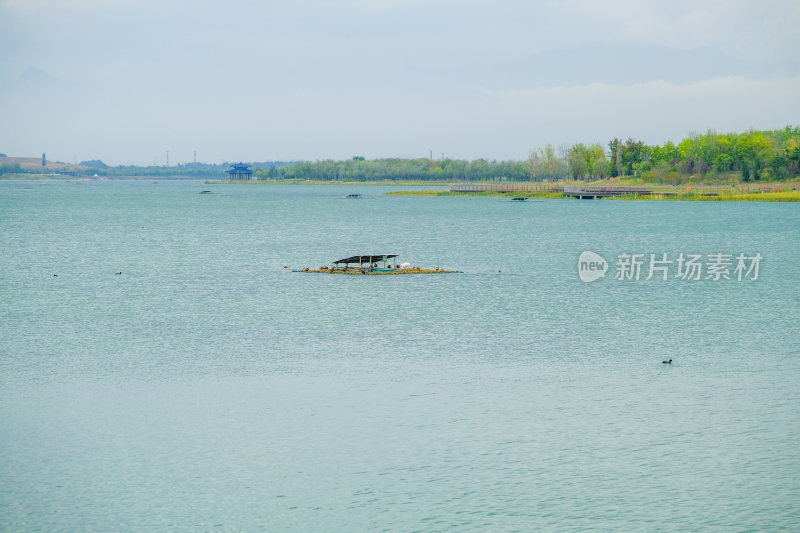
[
  {"x": 732, "y": 196},
  {"x": 690, "y": 196},
  {"x": 64, "y": 177},
  {"x": 384, "y": 183}
]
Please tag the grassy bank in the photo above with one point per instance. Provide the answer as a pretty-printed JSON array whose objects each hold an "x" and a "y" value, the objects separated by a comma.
[
  {"x": 489, "y": 194},
  {"x": 660, "y": 193},
  {"x": 324, "y": 182},
  {"x": 727, "y": 196}
]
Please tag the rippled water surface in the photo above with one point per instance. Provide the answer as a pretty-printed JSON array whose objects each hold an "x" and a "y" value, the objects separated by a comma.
[{"x": 207, "y": 386}]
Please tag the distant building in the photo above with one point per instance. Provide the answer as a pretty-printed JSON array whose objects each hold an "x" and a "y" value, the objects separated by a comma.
[
  {"x": 44, "y": 160},
  {"x": 240, "y": 171}
]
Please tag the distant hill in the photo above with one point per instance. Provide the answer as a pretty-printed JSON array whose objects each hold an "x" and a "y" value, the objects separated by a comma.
[{"x": 35, "y": 163}]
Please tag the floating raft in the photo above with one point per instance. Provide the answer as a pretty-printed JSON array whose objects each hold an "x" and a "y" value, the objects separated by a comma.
[
  {"x": 378, "y": 271},
  {"x": 374, "y": 265}
]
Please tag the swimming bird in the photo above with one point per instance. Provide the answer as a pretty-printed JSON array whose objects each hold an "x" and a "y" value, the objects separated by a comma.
[
  {"x": 118, "y": 273},
  {"x": 667, "y": 362}
]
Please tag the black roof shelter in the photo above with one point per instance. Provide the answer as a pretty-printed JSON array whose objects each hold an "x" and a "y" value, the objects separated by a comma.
[{"x": 361, "y": 259}]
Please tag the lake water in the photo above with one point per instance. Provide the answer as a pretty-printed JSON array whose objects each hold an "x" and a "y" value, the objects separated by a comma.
[{"x": 209, "y": 387}]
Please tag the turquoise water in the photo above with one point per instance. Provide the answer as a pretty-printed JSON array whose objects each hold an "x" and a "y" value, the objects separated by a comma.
[{"x": 208, "y": 387}]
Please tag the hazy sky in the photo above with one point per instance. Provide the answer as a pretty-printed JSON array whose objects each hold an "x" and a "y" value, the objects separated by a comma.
[{"x": 126, "y": 80}]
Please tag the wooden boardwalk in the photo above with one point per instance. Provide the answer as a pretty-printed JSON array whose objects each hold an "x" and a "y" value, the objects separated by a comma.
[
  {"x": 506, "y": 187},
  {"x": 583, "y": 192},
  {"x": 590, "y": 193}
]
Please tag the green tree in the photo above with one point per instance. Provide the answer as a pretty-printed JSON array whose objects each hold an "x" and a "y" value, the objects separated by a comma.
[
  {"x": 546, "y": 165},
  {"x": 578, "y": 161},
  {"x": 598, "y": 162}
]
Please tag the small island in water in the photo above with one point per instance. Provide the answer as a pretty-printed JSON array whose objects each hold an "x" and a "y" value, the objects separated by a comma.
[{"x": 384, "y": 264}]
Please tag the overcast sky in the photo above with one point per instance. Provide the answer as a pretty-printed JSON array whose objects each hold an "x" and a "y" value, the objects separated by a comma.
[{"x": 256, "y": 80}]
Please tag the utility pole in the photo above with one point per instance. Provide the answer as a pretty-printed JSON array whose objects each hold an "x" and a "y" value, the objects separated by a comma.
[
  {"x": 167, "y": 157},
  {"x": 195, "y": 156}
]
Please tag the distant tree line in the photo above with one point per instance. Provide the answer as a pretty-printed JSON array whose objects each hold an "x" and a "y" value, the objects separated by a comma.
[
  {"x": 359, "y": 169},
  {"x": 752, "y": 155},
  {"x": 188, "y": 170},
  {"x": 98, "y": 167},
  {"x": 11, "y": 169},
  {"x": 94, "y": 163},
  {"x": 749, "y": 156}
]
